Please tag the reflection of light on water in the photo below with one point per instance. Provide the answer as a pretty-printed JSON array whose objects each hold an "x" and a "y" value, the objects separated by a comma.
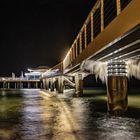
[
  {"x": 64, "y": 114},
  {"x": 64, "y": 118},
  {"x": 31, "y": 111},
  {"x": 6, "y": 134},
  {"x": 116, "y": 128},
  {"x": 67, "y": 124},
  {"x": 2, "y": 108},
  {"x": 3, "y": 93},
  {"x": 75, "y": 120},
  {"x": 134, "y": 101}
]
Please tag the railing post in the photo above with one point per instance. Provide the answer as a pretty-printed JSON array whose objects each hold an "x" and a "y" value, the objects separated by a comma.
[
  {"x": 70, "y": 55},
  {"x": 80, "y": 38},
  {"x": 118, "y": 3},
  {"x": 85, "y": 32},
  {"x": 91, "y": 26},
  {"x": 76, "y": 48},
  {"x": 102, "y": 15}
]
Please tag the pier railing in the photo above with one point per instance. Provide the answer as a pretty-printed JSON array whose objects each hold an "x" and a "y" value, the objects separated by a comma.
[{"x": 101, "y": 28}]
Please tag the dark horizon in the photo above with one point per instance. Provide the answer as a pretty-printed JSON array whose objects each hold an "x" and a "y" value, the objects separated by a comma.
[{"x": 38, "y": 33}]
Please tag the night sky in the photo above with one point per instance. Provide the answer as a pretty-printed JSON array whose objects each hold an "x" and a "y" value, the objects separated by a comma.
[{"x": 38, "y": 32}]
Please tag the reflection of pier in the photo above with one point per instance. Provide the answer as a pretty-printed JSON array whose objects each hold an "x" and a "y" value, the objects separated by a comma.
[{"x": 18, "y": 83}]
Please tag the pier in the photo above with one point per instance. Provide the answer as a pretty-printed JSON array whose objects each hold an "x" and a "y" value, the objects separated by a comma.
[
  {"x": 9, "y": 83},
  {"x": 107, "y": 46},
  {"x": 70, "y": 70}
]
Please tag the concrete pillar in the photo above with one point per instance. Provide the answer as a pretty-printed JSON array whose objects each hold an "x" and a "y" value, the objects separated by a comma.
[
  {"x": 8, "y": 85},
  {"x": 47, "y": 84},
  {"x": 18, "y": 85},
  {"x": 56, "y": 85},
  {"x": 15, "y": 85},
  {"x": 51, "y": 85},
  {"x": 43, "y": 83},
  {"x": 21, "y": 85},
  {"x": 60, "y": 84},
  {"x": 28, "y": 84},
  {"x": 36, "y": 85},
  {"x": 3, "y": 84},
  {"x": 79, "y": 85},
  {"x": 117, "y": 88}
]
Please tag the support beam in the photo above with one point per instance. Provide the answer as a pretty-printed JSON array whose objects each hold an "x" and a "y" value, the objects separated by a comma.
[
  {"x": 43, "y": 83},
  {"x": 51, "y": 84},
  {"x": 60, "y": 84},
  {"x": 4, "y": 84},
  {"x": 117, "y": 88},
  {"x": 69, "y": 81},
  {"x": 55, "y": 84},
  {"x": 36, "y": 84},
  {"x": 79, "y": 85},
  {"x": 15, "y": 85},
  {"x": 18, "y": 85},
  {"x": 28, "y": 84},
  {"x": 21, "y": 85},
  {"x": 8, "y": 85},
  {"x": 47, "y": 84}
]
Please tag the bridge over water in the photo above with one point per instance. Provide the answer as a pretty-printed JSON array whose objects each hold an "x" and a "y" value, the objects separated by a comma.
[{"x": 108, "y": 45}]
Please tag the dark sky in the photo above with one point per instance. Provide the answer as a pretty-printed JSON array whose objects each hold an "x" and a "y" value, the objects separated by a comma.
[{"x": 38, "y": 32}]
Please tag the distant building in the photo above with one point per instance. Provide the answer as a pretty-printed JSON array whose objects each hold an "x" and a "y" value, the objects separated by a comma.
[{"x": 35, "y": 73}]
